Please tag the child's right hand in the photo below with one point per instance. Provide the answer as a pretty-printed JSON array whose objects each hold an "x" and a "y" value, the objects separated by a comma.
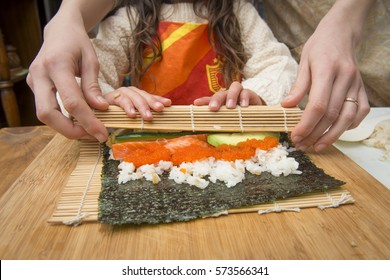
[{"x": 132, "y": 99}]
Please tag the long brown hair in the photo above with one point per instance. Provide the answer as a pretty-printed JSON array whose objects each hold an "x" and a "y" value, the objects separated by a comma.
[{"x": 224, "y": 35}]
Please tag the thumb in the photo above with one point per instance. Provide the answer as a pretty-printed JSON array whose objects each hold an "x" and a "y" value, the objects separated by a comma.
[
  {"x": 89, "y": 82},
  {"x": 299, "y": 88}
]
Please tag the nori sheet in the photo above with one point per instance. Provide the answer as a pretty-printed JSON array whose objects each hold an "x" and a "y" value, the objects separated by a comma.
[{"x": 140, "y": 201}]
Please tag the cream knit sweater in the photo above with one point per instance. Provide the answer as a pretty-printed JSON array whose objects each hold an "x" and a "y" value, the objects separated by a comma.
[{"x": 270, "y": 70}]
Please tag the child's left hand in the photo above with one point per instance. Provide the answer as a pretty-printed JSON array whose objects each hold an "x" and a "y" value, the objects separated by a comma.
[{"x": 230, "y": 97}]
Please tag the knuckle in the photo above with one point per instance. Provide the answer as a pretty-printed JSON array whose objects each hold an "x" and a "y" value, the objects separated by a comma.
[
  {"x": 91, "y": 86},
  {"x": 220, "y": 95},
  {"x": 350, "y": 116},
  {"x": 330, "y": 140},
  {"x": 319, "y": 107},
  {"x": 43, "y": 115},
  {"x": 349, "y": 68},
  {"x": 133, "y": 88},
  {"x": 70, "y": 135},
  {"x": 236, "y": 84},
  {"x": 149, "y": 97},
  {"x": 91, "y": 128},
  {"x": 93, "y": 62},
  {"x": 221, "y": 91},
  {"x": 70, "y": 104},
  {"x": 353, "y": 125},
  {"x": 34, "y": 67},
  {"x": 245, "y": 94},
  {"x": 122, "y": 89},
  {"x": 50, "y": 60},
  {"x": 332, "y": 115},
  {"x": 365, "y": 108},
  {"x": 309, "y": 140},
  {"x": 29, "y": 80}
]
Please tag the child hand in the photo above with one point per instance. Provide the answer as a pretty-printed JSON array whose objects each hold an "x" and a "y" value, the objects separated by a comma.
[
  {"x": 132, "y": 99},
  {"x": 235, "y": 94}
]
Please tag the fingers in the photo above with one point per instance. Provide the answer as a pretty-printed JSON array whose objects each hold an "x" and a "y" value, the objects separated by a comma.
[
  {"x": 316, "y": 108},
  {"x": 47, "y": 76},
  {"x": 202, "y": 101},
  {"x": 226, "y": 97},
  {"x": 54, "y": 70},
  {"x": 249, "y": 97},
  {"x": 320, "y": 117},
  {"x": 230, "y": 98},
  {"x": 73, "y": 101},
  {"x": 339, "y": 114},
  {"x": 363, "y": 110},
  {"x": 351, "y": 115},
  {"x": 48, "y": 110},
  {"x": 301, "y": 86},
  {"x": 232, "y": 95},
  {"x": 89, "y": 82},
  {"x": 132, "y": 99}
]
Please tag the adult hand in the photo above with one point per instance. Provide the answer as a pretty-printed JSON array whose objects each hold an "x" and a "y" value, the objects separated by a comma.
[
  {"x": 328, "y": 72},
  {"x": 65, "y": 54},
  {"x": 230, "y": 97}
]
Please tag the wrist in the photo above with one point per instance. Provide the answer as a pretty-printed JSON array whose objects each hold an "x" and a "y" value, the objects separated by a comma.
[
  {"x": 67, "y": 19},
  {"x": 92, "y": 14},
  {"x": 81, "y": 13},
  {"x": 351, "y": 15}
]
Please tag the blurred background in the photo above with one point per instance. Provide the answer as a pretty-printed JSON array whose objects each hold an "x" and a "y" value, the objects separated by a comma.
[{"x": 21, "y": 28}]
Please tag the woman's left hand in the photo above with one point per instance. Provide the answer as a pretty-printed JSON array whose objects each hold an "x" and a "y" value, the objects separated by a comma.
[{"x": 329, "y": 73}]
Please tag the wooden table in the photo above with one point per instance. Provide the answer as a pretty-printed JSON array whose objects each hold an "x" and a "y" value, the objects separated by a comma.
[{"x": 28, "y": 194}]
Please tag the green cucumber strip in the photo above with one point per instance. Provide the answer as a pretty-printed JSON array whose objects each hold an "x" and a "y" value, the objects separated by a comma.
[{"x": 151, "y": 136}]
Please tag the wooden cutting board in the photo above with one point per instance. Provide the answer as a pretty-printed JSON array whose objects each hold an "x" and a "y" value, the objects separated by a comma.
[{"x": 358, "y": 231}]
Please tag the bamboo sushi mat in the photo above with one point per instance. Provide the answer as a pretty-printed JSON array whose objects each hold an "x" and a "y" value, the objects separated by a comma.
[
  {"x": 79, "y": 199},
  {"x": 200, "y": 118}
]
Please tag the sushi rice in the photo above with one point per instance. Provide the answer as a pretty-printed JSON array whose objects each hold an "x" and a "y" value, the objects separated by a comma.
[{"x": 201, "y": 173}]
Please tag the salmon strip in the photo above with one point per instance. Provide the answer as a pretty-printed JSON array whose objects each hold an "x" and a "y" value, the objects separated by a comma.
[
  {"x": 121, "y": 150},
  {"x": 187, "y": 140}
]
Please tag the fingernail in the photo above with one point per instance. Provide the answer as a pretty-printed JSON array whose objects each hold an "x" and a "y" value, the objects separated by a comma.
[
  {"x": 101, "y": 99},
  {"x": 230, "y": 103},
  {"x": 296, "y": 139},
  {"x": 302, "y": 148},
  {"x": 148, "y": 114},
  {"x": 319, "y": 147},
  {"x": 158, "y": 105},
  {"x": 100, "y": 137},
  {"x": 213, "y": 104},
  {"x": 290, "y": 96},
  {"x": 132, "y": 111},
  {"x": 88, "y": 137},
  {"x": 244, "y": 103}
]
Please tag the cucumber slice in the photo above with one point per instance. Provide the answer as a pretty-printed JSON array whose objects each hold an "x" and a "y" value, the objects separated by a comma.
[
  {"x": 151, "y": 136},
  {"x": 235, "y": 138}
]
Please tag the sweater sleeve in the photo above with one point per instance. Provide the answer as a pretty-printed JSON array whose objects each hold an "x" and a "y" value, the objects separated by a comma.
[
  {"x": 112, "y": 45},
  {"x": 270, "y": 70}
]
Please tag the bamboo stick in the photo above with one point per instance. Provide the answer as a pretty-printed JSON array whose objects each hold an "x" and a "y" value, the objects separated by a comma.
[{"x": 200, "y": 118}]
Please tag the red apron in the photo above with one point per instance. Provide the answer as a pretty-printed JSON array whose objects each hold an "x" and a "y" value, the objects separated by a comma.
[{"x": 189, "y": 67}]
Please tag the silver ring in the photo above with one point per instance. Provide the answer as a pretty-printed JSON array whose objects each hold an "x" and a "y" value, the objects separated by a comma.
[{"x": 350, "y": 99}]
